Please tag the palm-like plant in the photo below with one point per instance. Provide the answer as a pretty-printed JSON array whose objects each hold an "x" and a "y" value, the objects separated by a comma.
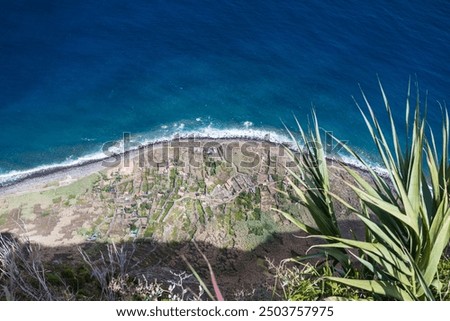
[
  {"x": 407, "y": 215},
  {"x": 313, "y": 180}
]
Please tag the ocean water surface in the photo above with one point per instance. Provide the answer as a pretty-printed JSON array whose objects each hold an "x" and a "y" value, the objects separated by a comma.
[{"x": 75, "y": 74}]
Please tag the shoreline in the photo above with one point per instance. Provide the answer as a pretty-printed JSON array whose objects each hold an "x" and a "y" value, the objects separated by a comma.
[
  {"x": 39, "y": 178},
  {"x": 54, "y": 172},
  {"x": 12, "y": 177}
]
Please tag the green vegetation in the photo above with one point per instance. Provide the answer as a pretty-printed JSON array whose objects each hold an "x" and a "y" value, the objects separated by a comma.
[
  {"x": 395, "y": 253},
  {"x": 240, "y": 216},
  {"x": 256, "y": 214},
  {"x": 173, "y": 176},
  {"x": 151, "y": 228},
  {"x": 145, "y": 186},
  {"x": 46, "y": 198},
  {"x": 256, "y": 229},
  {"x": 443, "y": 273},
  {"x": 305, "y": 282},
  {"x": 3, "y": 218},
  {"x": 245, "y": 200},
  {"x": 46, "y": 212},
  {"x": 258, "y": 195},
  {"x": 201, "y": 185},
  {"x": 167, "y": 208},
  {"x": 209, "y": 212},
  {"x": 200, "y": 212},
  {"x": 212, "y": 166},
  {"x": 145, "y": 206},
  {"x": 406, "y": 215},
  {"x": 86, "y": 232}
]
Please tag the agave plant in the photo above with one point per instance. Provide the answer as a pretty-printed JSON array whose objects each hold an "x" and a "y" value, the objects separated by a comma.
[
  {"x": 406, "y": 215},
  {"x": 313, "y": 180}
]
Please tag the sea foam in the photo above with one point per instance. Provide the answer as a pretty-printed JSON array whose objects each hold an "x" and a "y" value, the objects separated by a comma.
[{"x": 271, "y": 135}]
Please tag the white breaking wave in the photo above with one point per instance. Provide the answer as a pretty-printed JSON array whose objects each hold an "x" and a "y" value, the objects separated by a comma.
[
  {"x": 271, "y": 135},
  {"x": 249, "y": 133},
  {"x": 206, "y": 132},
  {"x": 21, "y": 174},
  {"x": 248, "y": 124},
  {"x": 356, "y": 163}
]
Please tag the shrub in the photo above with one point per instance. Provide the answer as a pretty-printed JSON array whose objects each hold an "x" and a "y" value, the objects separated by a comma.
[{"x": 406, "y": 215}]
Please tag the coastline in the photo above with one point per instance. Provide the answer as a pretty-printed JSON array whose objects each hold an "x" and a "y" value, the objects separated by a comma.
[
  {"x": 39, "y": 179},
  {"x": 219, "y": 205}
]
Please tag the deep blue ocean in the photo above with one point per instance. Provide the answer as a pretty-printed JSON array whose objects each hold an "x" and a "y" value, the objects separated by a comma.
[{"x": 75, "y": 74}]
